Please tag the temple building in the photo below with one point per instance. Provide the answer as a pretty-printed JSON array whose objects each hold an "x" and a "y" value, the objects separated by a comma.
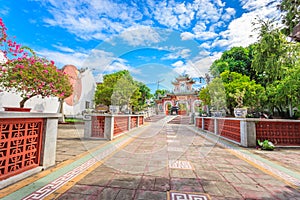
[{"x": 183, "y": 96}]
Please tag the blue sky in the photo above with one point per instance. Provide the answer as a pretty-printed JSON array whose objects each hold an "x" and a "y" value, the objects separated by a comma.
[{"x": 154, "y": 40}]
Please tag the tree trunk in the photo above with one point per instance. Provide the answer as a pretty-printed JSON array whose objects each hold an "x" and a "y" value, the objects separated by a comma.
[
  {"x": 22, "y": 103},
  {"x": 61, "y": 110},
  {"x": 291, "y": 113}
]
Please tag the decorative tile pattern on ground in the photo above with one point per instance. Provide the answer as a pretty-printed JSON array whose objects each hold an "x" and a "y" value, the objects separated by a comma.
[
  {"x": 177, "y": 149},
  {"x": 174, "y": 195},
  {"x": 62, "y": 180},
  {"x": 171, "y": 136},
  {"x": 178, "y": 164},
  {"x": 251, "y": 158},
  {"x": 173, "y": 141}
]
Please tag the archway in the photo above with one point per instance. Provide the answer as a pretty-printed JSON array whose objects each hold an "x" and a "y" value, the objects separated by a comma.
[
  {"x": 167, "y": 104},
  {"x": 184, "y": 107}
]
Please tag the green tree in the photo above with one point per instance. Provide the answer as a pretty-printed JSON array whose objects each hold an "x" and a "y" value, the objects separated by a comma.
[
  {"x": 160, "y": 92},
  {"x": 145, "y": 95},
  {"x": 241, "y": 90},
  {"x": 204, "y": 96},
  {"x": 284, "y": 95},
  {"x": 121, "y": 89},
  {"x": 125, "y": 92},
  {"x": 291, "y": 14},
  {"x": 236, "y": 59},
  {"x": 273, "y": 54}
]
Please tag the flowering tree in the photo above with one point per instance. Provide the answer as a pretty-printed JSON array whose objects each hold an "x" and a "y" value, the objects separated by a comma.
[{"x": 30, "y": 75}]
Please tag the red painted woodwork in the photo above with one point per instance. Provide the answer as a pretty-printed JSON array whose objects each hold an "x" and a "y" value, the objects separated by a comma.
[
  {"x": 20, "y": 145},
  {"x": 98, "y": 123},
  {"x": 209, "y": 125},
  {"x": 229, "y": 129},
  {"x": 280, "y": 133},
  {"x": 120, "y": 124},
  {"x": 16, "y": 109}
]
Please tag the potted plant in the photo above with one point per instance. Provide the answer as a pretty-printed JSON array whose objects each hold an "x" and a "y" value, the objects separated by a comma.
[
  {"x": 240, "y": 110},
  {"x": 30, "y": 76}
]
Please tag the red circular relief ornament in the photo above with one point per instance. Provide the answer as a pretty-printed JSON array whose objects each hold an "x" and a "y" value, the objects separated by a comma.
[{"x": 75, "y": 81}]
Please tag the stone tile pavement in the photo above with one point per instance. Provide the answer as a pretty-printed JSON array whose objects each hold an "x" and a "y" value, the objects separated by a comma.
[{"x": 163, "y": 161}]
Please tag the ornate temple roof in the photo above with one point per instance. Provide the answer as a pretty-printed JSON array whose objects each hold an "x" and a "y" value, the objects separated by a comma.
[{"x": 181, "y": 78}]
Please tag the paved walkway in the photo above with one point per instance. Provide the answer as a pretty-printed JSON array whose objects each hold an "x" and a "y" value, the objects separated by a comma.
[{"x": 165, "y": 159}]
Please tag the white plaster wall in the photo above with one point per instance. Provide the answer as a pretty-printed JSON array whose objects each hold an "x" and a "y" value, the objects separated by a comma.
[
  {"x": 37, "y": 104},
  {"x": 51, "y": 104},
  {"x": 87, "y": 94}
]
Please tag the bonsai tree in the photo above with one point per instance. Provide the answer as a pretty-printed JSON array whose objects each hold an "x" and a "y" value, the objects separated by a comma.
[
  {"x": 238, "y": 97},
  {"x": 30, "y": 76}
]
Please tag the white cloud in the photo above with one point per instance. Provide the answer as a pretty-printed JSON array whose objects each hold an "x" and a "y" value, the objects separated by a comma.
[
  {"x": 205, "y": 45},
  {"x": 240, "y": 30},
  {"x": 196, "y": 67},
  {"x": 172, "y": 14},
  {"x": 181, "y": 53},
  {"x": 230, "y": 12},
  {"x": 204, "y": 53},
  {"x": 4, "y": 10},
  {"x": 178, "y": 64},
  {"x": 252, "y": 5},
  {"x": 187, "y": 36},
  {"x": 62, "y": 59},
  {"x": 208, "y": 11},
  {"x": 206, "y": 35},
  {"x": 221, "y": 43},
  {"x": 64, "y": 49},
  {"x": 216, "y": 25},
  {"x": 92, "y": 19},
  {"x": 120, "y": 65},
  {"x": 140, "y": 35}
]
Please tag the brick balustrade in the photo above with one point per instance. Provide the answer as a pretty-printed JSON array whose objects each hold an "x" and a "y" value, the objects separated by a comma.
[
  {"x": 246, "y": 131},
  {"x": 27, "y": 145},
  {"x": 280, "y": 133},
  {"x": 105, "y": 126}
]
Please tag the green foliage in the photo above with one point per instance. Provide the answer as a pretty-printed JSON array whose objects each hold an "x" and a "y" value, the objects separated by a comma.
[
  {"x": 291, "y": 14},
  {"x": 241, "y": 91},
  {"x": 236, "y": 59},
  {"x": 217, "y": 94},
  {"x": 273, "y": 54},
  {"x": 266, "y": 145},
  {"x": 32, "y": 76},
  {"x": 286, "y": 91},
  {"x": 121, "y": 89},
  {"x": 160, "y": 93},
  {"x": 204, "y": 96},
  {"x": 27, "y": 75},
  {"x": 214, "y": 95},
  {"x": 276, "y": 60}
]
